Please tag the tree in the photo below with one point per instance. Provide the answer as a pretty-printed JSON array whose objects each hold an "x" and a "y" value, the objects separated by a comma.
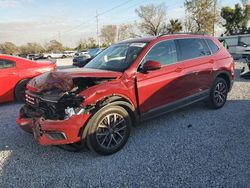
[
  {"x": 86, "y": 44},
  {"x": 108, "y": 34},
  {"x": 91, "y": 43},
  {"x": 9, "y": 48},
  {"x": 189, "y": 25},
  {"x": 236, "y": 19},
  {"x": 153, "y": 19},
  {"x": 32, "y": 48},
  {"x": 125, "y": 31},
  {"x": 54, "y": 46},
  {"x": 246, "y": 16},
  {"x": 174, "y": 26},
  {"x": 204, "y": 13}
]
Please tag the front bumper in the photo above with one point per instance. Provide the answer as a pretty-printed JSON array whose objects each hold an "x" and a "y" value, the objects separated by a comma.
[{"x": 54, "y": 132}]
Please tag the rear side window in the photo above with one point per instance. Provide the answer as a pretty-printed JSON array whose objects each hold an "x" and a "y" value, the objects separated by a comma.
[
  {"x": 213, "y": 47},
  {"x": 164, "y": 52},
  {"x": 192, "y": 48},
  {"x": 4, "y": 64}
]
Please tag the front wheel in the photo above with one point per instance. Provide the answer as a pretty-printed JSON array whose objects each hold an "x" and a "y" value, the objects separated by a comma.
[
  {"x": 109, "y": 130},
  {"x": 218, "y": 94}
]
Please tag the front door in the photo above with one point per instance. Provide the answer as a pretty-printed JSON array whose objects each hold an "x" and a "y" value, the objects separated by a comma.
[{"x": 160, "y": 87}]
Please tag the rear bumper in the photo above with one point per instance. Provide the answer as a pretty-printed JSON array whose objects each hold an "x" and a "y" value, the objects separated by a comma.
[{"x": 54, "y": 132}]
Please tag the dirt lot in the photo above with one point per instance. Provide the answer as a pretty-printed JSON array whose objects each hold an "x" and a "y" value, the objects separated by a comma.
[{"x": 191, "y": 147}]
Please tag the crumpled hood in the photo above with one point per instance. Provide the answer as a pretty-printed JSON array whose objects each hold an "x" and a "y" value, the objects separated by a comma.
[{"x": 63, "y": 79}]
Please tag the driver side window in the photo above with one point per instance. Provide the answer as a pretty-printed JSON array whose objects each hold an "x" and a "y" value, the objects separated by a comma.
[{"x": 163, "y": 52}]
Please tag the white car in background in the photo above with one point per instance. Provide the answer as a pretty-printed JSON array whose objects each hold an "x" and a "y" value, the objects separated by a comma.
[
  {"x": 68, "y": 54},
  {"x": 83, "y": 53},
  {"x": 53, "y": 55}
]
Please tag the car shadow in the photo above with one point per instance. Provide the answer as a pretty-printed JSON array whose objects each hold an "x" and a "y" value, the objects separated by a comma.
[{"x": 25, "y": 163}]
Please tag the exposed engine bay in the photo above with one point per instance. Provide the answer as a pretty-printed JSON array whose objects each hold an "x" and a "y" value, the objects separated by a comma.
[{"x": 57, "y": 96}]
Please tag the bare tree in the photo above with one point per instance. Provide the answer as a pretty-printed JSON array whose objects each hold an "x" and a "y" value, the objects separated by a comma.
[
  {"x": 31, "y": 48},
  {"x": 204, "y": 13},
  {"x": 174, "y": 26},
  {"x": 125, "y": 31},
  {"x": 108, "y": 34},
  {"x": 9, "y": 48},
  {"x": 153, "y": 19},
  {"x": 189, "y": 25},
  {"x": 54, "y": 46}
]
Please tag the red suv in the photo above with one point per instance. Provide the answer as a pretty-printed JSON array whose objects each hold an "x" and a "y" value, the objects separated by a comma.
[{"x": 131, "y": 81}]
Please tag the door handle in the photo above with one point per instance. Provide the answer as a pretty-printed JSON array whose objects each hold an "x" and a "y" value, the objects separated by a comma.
[{"x": 178, "y": 69}]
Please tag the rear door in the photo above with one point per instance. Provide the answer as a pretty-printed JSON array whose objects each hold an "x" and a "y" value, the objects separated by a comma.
[
  {"x": 160, "y": 87},
  {"x": 8, "y": 79},
  {"x": 197, "y": 62}
]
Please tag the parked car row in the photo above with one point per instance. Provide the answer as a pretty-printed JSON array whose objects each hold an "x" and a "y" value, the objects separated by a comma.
[
  {"x": 52, "y": 55},
  {"x": 83, "y": 57}
]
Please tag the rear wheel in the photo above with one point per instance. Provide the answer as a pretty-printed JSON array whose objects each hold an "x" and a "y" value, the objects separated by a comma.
[
  {"x": 20, "y": 90},
  {"x": 109, "y": 130},
  {"x": 218, "y": 94}
]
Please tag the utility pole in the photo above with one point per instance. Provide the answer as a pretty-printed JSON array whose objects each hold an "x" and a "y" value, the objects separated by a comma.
[
  {"x": 214, "y": 16},
  {"x": 59, "y": 36},
  {"x": 97, "y": 29}
]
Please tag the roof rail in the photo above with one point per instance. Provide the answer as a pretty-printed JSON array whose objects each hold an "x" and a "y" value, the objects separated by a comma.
[{"x": 190, "y": 33}]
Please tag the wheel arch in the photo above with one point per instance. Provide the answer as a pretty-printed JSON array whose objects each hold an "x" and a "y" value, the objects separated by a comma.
[
  {"x": 226, "y": 76},
  {"x": 110, "y": 101},
  {"x": 20, "y": 81}
]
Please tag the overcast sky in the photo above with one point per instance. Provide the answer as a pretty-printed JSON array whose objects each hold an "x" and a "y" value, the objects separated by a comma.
[{"x": 24, "y": 21}]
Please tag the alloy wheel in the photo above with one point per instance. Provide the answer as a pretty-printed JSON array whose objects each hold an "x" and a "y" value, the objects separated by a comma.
[
  {"x": 220, "y": 93},
  {"x": 111, "y": 131}
]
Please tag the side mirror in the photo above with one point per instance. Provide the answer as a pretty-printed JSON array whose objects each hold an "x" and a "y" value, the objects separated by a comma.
[{"x": 151, "y": 66}]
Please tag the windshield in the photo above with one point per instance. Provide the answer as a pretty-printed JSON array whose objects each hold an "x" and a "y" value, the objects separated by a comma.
[{"x": 117, "y": 57}]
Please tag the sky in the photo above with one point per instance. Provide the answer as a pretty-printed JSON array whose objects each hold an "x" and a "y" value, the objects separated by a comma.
[{"x": 68, "y": 21}]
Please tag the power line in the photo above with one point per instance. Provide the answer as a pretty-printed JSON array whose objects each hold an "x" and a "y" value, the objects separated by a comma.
[
  {"x": 102, "y": 13},
  {"x": 97, "y": 16}
]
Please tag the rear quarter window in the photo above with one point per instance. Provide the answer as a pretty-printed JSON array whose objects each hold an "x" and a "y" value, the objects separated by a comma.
[
  {"x": 4, "y": 64},
  {"x": 213, "y": 47}
]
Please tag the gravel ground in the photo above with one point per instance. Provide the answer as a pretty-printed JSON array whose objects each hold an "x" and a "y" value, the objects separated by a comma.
[{"x": 192, "y": 147}]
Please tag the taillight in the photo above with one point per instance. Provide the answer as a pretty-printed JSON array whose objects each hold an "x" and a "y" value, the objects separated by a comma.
[{"x": 232, "y": 67}]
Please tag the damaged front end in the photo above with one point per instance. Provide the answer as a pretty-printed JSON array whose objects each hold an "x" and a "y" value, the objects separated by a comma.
[{"x": 53, "y": 111}]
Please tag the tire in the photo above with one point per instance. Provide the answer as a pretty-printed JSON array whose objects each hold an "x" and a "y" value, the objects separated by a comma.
[
  {"x": 49, "y": 57},
  {"x": 218, "y": 94},
  {"x": 109, "y": 130},
  {"x": 20, "y": 90}
]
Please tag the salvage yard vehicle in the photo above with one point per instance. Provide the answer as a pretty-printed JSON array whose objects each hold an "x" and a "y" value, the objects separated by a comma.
[
  {"x": 68, "y": 54},
  {"x": 53, "y": 55},
  {"x": 15, "y": 72},
  {"x": 128, "y": 82},
  {"x": 81, "y": 61},
  {"x": 245, "y": 71}
]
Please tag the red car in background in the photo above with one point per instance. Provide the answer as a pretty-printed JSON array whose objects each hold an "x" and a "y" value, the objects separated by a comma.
[{"x": 15, "y": 73}]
